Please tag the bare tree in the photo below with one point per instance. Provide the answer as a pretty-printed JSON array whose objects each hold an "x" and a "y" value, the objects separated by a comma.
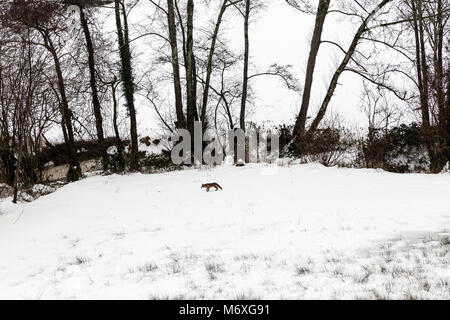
[
  {"x": 27, "y": 108},
  {"x": 46, "y": 18}
]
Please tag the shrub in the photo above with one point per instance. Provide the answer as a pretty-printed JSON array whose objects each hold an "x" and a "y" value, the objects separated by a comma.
[
  {"x": 86, "y": 150},
  {"x": 158, "y": 163},
  {"x": 327, "y": 146},
  {"x": 400, "y": 149}
]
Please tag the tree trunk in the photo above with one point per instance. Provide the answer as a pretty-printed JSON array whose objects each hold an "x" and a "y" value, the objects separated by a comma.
[
  {"x": 22, "y": 120},
  {"x": 423, "y": 95},
  {"x": 443, "y": 144},
  {"x": 119, "y": 143},
  {"x": 19, "y": 158},
  {"x": 246, "y": 61},
  {"x": 210, "y": 62},
  {"x": 322, "y": 12},
  {"x": 190, "y": 70},
  {"x": 181, "y": 120},
  {"x": 128, "y": 81},
  {"x": 6, "y": 156},
  {"x": 16, "y": 176},
  {"x": 435, "y": 147},
  {"x": 424, "y": 68},
  {"x": 447, "y": 107},
  {"x": 93, "y": 84},
  {"x": 74, "y": 172}
]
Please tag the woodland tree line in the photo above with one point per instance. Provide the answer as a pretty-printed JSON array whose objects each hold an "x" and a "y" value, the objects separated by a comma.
[{"x": 60, "y": 71}]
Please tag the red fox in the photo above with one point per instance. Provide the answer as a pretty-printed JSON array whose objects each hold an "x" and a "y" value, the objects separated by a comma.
[{"x": 208, "y": 186}]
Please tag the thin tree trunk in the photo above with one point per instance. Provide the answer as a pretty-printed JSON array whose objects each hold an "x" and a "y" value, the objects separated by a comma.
[
  {"x": 128, "y": 81},
  {"x": 74, "y": 172},
  {"x": 20, "y": 135},
  {"x": 18, "y": 164},
  {"x": 21, "y": 119},
  {"x": 424, "y": 68},
  {"x": 439, "y": 84},
  {"x": 210, "y": 62},
  {"x": 246, "y": 61},
  {"x": 447, "y": 107},
  {"x": 190, "y": 69},
  {"x": 322, "y": 12},
  {"x": 5, "y": 150},
  {"x": 432, "y": 145},
  {"x": 93, "y": 83},
  {"x": 181, "y": 120},
  {"x": 439, "y": 66},
  {"x": 119, "y": 142},
  {"x": 194, "y": 85},
  {"x": 442, "y": 144},
  {"x": 423, "y": 99}
]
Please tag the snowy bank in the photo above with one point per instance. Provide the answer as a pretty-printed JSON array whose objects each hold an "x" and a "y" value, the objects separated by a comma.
[{"x": 303, "y": 231}]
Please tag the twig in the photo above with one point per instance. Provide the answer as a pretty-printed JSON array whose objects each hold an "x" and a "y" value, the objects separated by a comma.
[{"x": 20, "y": 215}]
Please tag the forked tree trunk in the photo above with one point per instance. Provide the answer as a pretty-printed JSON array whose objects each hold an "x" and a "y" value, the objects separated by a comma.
[{"x": 348, "y": 55}]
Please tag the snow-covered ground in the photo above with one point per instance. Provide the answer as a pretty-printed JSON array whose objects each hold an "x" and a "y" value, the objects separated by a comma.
[{"x": 295, "y": 232}]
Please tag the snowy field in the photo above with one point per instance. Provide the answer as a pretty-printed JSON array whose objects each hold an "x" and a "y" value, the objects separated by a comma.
[{"x": 297, "y": 232}]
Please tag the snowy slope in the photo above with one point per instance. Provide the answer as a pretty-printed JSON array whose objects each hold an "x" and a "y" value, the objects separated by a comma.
[{"x": 302, "y": 231}]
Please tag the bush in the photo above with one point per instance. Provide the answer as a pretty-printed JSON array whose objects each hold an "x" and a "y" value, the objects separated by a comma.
[
  {"x": 328, "y": 146},
  {"x": 285, "y": 134},
  {"x": 158, "y": 163},
  {"x": 86, "y": 150},
  {"x": 116, "y": 158},
  {"x": 400, "y": 149}
]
